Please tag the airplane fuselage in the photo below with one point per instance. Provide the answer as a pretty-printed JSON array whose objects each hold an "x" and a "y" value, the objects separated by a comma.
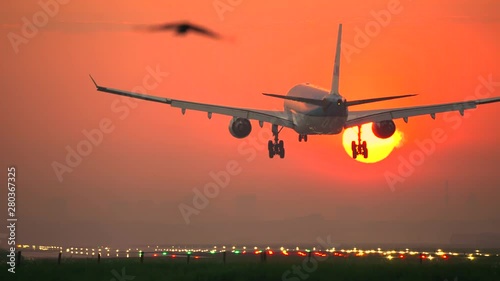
[{"x": 312, "y": 119}]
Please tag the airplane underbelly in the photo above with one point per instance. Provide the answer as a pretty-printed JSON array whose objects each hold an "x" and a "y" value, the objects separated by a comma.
[{"x": 318, "y": 125}]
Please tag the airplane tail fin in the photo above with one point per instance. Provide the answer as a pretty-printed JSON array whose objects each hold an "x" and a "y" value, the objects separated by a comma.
[{"x": 336, "y": 65}]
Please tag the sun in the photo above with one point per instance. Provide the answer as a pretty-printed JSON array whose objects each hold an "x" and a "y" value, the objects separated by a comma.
[{"x": 378, "y": 149}]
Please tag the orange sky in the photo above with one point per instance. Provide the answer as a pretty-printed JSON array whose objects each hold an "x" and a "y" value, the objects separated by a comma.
[{"x": 154, "y": 157}]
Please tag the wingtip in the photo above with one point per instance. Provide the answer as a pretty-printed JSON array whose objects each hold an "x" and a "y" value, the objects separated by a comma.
[{"x": 92, "y": 78}]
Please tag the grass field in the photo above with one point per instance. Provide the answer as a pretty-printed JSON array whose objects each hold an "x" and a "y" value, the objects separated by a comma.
[{"x": 249, "y": 267}]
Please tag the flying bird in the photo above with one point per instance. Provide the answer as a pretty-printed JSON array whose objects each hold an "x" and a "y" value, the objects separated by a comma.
[{"x": 182, "y": 28}]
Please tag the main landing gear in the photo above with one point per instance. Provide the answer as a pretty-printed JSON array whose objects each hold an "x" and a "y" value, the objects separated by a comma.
[
  {"x": 276, "y": 147},
  {"x": 359, "y": 148}
]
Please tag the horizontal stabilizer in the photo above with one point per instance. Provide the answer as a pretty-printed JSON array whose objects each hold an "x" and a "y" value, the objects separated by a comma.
[
  {"x": 299, "y": 99},
  {"x": 358, "y": 102}
]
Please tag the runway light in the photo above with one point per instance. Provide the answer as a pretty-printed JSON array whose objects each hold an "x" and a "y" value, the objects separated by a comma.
[
  {"x": 164, "y": 253},
  {"x": 445, "y": 256},
  {"x": 270, "y": 252},
  {"x": 389, "y": 257},
  {"x": 401, "y": 256}
]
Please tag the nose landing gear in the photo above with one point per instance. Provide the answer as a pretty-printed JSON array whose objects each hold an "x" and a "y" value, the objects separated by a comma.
[{"x": 360, "y": 147}]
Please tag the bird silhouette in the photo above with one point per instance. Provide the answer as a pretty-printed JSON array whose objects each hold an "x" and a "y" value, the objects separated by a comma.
[{"x": 182, "y": 28}]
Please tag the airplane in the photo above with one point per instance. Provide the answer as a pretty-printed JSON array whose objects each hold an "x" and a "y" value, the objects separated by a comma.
[
  {"x": 311, "y": 110},
  {"x": 182, "y": 28}
]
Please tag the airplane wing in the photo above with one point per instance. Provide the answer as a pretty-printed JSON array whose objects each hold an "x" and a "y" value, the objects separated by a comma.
[
  {"x": 357, "y": 118},
  {"x": 280, "y": 118}
]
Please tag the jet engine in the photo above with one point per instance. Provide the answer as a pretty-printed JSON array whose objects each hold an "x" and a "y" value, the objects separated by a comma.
[
  {"x": 384, "y": 129},
  {"x": 240, "y": 127}
]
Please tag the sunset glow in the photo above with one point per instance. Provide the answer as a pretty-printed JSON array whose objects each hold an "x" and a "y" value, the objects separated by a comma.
[{"x": 95, "y": 168}]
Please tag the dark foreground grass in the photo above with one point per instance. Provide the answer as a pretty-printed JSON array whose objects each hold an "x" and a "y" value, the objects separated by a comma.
[{"x": 249, "y": 268}]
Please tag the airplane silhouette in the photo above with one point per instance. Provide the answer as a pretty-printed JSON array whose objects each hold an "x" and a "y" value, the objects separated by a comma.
[{"x": 182, "y": 28}]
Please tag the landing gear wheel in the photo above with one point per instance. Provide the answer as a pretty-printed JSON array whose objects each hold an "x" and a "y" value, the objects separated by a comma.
[
  {"x": 270, "y": 147},
  {"x": 365, "y": 150},
  {"x": 282, "y": 153},
  {"x": 300, "y": 138},
  {"x": 305, "y": 138},
  {"x": 281, "y": 145}
]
